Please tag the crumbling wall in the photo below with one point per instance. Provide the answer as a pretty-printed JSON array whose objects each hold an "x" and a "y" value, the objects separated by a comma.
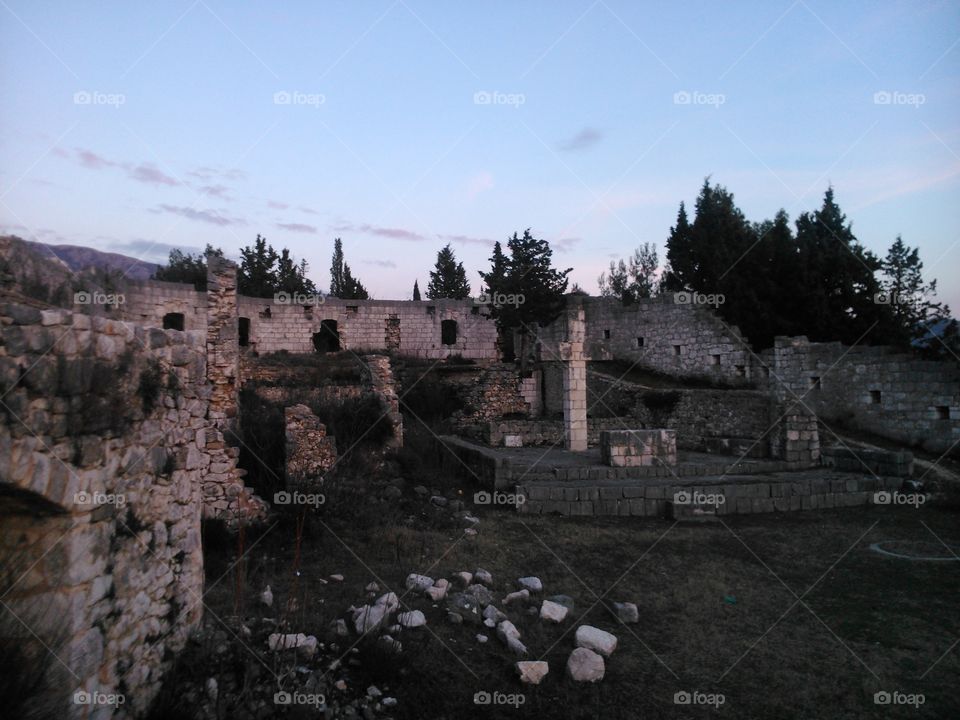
[
  {"x": 102, "y": 455},
  {"x": 876, "y": 389},
  {"x": 309, "y": 451}
]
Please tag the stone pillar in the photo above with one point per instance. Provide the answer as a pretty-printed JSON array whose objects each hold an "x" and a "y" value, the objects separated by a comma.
[
  {"x": 223, "y": 342},
  {"x": 574, "y": 379},
  {"x": 379, "y": 375}
]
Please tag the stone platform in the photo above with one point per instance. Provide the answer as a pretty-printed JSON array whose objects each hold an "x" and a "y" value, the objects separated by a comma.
[{"x": 691, "y": 496}]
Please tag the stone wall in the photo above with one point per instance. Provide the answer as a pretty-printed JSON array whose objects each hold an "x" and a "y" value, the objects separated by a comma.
[
  {"x": 147, "y": 301},
  {"x": 638, "y": 448},
  {"x": 409, "y": 328},
  {"x": 309, "y": 452},
  {"x": 102, "y": 455},
  {"x": 898, "y": 396}
]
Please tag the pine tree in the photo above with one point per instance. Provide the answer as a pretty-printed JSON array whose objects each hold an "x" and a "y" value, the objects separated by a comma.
[
  {"x": 342, "y": 283},
  {"x": 634, "y": 280},
  {"x": 257, "y": 276},
  {"x": 416, "y": 290},
  {"x": 448, "y": 279},
  {"x": 186, "y": 268}
]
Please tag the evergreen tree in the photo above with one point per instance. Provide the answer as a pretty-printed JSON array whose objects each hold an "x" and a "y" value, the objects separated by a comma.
[
  {"x": 416, "y": 290},
  {"x": 838, "y": 275},
  {"x": 633, "y": 281},
  {"x": 448, "y": 279},
  {"x": 342, "y": 282},
  {"x": 186, "y": 268},
  {"x": 292, "y": 277},
  {"x": 527, "y": 273},
  {"x": 258, "y": 275}
]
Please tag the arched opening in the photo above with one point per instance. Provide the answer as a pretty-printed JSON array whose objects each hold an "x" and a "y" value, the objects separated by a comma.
[
  {"x": 173, "y": 321},
  {"x": 328, "y": 339}
]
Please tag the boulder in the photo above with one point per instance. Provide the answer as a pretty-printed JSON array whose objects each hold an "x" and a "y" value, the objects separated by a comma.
[
  {"x": 520, "y": 596},
  {"x": 369, "y": 618},
  {"x": 507, "y": 629},
  {"x": 483, "y": 577},
  {"x": 564, "y": 600},
  {"x": 531, "y": 583},
  {"x": 466, "y": 606},
  {"x": 464, "y": 579},
  {"x": 584, "y": 665},
  {"x": 532, "y": 671},
  {"x": 595, "y": 639},
  {"x": 412, "y": 619},
  {"x": 418, "y": 583},
  {"x": 625, "y": 612},
  {"x": 552, "y": 612},
  {"x": 482, "y": 593}
]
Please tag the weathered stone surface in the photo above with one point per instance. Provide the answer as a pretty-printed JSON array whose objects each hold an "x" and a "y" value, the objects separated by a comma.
[
  {"x": 595, "y": 639},
  {"x": 418, "y": 583},
  {"x": 531, "y": 584},
  {"x": 532, "y": 671},
  {"x": 552, "y": 612},
  {"x": 412, "y": 619},
  {"x": 625, "y": 612},
  {"x": 584, "y": 665}
]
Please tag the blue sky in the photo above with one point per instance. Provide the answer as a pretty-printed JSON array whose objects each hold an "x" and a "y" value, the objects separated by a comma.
[{"x": 401, "y": 126}]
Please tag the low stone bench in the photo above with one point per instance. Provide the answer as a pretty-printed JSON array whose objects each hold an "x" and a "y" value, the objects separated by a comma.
[
  {"x": 880, "y": 462},
  {"x": 638, "y": 448}
]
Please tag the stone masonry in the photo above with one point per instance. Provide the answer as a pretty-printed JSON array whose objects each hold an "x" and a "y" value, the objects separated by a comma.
[
  {"x": 638, "y": 448},
  {"x": 574, "y": 380},
  {"x": 310, "y": 452}
]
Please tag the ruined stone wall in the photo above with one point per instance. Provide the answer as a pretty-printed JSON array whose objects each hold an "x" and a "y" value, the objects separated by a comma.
[
  {"x": 147, "y": 301},
  {"x": 409, "y": 328},
  {"x": 895, "y": 395},
  {"x": 102, "y": 455},
  {"x": 660, "y": 334}
]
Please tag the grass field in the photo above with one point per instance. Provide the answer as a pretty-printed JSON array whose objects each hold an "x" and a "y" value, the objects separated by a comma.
[{"x": 786, "y": 616}]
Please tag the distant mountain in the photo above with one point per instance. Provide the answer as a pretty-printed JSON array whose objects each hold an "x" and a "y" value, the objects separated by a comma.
[{"x": 77, "y": 258}]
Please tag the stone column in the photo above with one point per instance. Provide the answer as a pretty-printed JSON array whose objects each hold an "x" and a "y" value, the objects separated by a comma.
[
  {"x": 574, "y": 379},
  {"x": 223, "y": 342}
]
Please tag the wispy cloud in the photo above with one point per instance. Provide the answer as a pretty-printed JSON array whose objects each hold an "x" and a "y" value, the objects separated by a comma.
[
  {"x": 380, "y": 263},
  {"x": 91, "y": 160},
  {"x": 220, "y": 191},
  {"x": 277, "y": 205},
  {"x": 388, "y": 232},
  {"x": 150, "y": 175},
  {"x": 214, "y": 217},
  {"x": 566, "y": 244},
  {"x": 466, "y": 240},
  {"x": 308, "y": 211},
  {"x": 586, "y": 138},
  {"x": 209, "y": 174},
  {"x": 297, "y": 227}
]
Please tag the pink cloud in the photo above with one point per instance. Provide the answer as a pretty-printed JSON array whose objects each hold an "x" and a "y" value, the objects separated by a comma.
[
  {"x": 208, "y": 216},
  {"x": 277, "y": 205},
  {"x": 297, "y": 227},
  {"x": 93, "y": 161},
  {"x": 150, "y": 175}
]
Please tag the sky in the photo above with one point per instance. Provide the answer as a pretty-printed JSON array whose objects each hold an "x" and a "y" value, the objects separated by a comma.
[{"x": 403, "y": 125}]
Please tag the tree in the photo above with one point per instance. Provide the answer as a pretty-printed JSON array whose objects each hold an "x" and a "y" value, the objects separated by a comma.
[
  {"x": 342, "y": 283},
  {"x": 258, "y": 277},
  {"x": 528, "y": 274},
  {"x": 448, "y": 279},
  {"x": 633, "y": 281},
  {"x": 915, "y": 318},
  {"x": 186, "y": 268},
  {"x": 838, "y": 274},
  {"x": 292, "y": 277},
  {"x": 416, "y": 290}
]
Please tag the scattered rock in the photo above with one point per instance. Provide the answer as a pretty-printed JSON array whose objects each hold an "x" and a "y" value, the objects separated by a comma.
[
  {"x": 340, "y": 628},
  {"x": 418, "y": 583},
  {"x": 483, "y": 577},
  {"x": 455, "y": 618},
  {"x": 520, "y": 596},
  {"x": 369, "y": 617},
  {"x": 392, "y": 492},
  {"x": 439, "y": 590},
  {"x": 482, "y": 593},
  {"x": 466, "y": 606},
  {"x": 490, "y": 623},
  {"x": 464, "y": 579},
  {"x": 373, "y": 692},
  {"x": 470, "y": 519},
  {"x": 389, "y": 702},
  {"x": 337, "y": 578},
  {"x": 553, "y": 612},
  {"x": 470, "y": 532},
  {"x": 532, "y": 671},
  {"x": 212, "y": 689},
  {"x": 625, "y": 612},
  {"x": 564, "y": 600},
  {"x": 340, "y": 685},
  {"x": 305, "y": 645},
  {"x": 491, "y": 612},
  {"x": 595, "y": 639},
  {"x": 390, "y": 644},
  {"x": 421, "y": 490},
  {"x": 516, "y": 647},
  {"x": 372, "y": 587},
  {"x": 412, "y": 619},
  {"x": 481, "y": 638},
  {"x": 266, "y": 597},
  {"x": 531, "y": 583},
  {"x": 584, "y": 665},
  {"x": 389, "y": 600},
  {"x": 507, "y": 629},
  {"x": 438, "y": 500}
]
